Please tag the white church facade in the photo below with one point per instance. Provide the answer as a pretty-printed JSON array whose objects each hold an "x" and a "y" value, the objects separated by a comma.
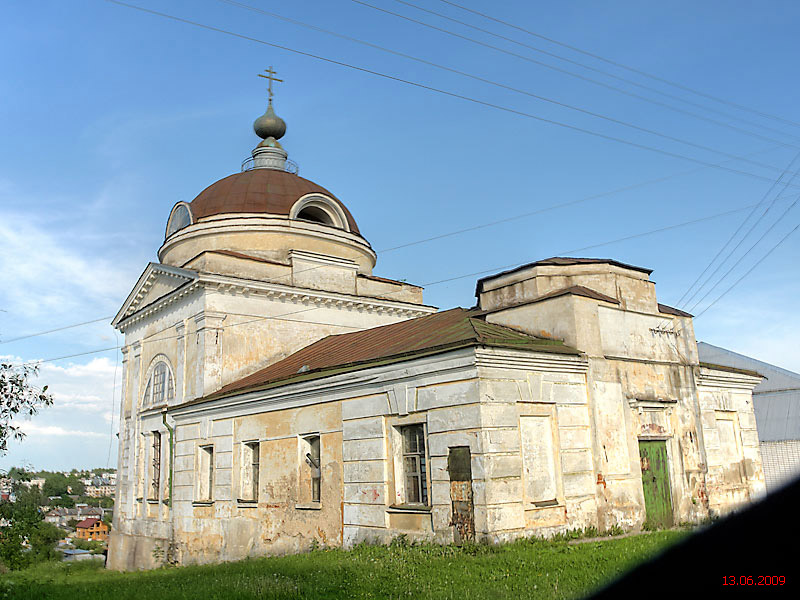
[{"x": 277, "y": 394}]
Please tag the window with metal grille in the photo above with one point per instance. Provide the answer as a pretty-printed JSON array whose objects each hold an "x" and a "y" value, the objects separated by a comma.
[
  {"x": 311, "y": 456},
  {"x": 414, "y": 466},
  {"x": 155, "y": 480}
]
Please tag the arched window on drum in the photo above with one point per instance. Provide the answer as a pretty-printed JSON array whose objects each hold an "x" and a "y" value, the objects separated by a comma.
[{"x": 160, "y": 388}]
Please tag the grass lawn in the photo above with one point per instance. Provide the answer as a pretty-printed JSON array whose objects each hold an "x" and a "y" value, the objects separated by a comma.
[{"x": 523, "y": 569}]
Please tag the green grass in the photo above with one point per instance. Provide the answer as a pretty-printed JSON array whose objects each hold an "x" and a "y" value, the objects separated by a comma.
[{"x": 523, "y": 569}]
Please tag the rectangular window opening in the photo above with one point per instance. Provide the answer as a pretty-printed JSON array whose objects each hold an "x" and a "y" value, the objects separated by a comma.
[
  {"x": 250, "y": 470},
  {"x": 414, "y": 465},
  {"x": 206, "y": 473},
  {"x": 155, "y": 480},
  {"x": 311, "y": 479}
]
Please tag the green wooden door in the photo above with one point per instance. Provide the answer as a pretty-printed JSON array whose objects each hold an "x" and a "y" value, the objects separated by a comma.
[{"x": 655, "y": 483}]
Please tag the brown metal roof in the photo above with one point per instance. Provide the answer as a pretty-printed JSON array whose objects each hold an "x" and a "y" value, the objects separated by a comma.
[
  {"x": 560, "y": 261},
  {"x": 259, "y": 191},
  {"x": 575, "y": 290},
  {"x": 87, "y": 523},
  {"x": 386, "y": 280},
  {"x": 669, "y": 310},
  {"x": 430, "y": 334},
  {"x": 730, "y": 369}
]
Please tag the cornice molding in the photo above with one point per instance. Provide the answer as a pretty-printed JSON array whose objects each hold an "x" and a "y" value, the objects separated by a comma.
[
  {"x": 145, "y": 282},
  {"x": 713, "y": 378},
  {"x": 309, "y": 297},
  {"x": 531, "y": 360},
  {"x": 283, "y": 293}
]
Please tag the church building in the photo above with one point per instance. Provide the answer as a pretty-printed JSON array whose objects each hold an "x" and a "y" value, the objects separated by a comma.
[{"x": 278, "y": 394}]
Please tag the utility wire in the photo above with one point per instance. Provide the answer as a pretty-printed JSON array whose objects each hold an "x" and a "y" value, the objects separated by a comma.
[
  {"x": 447, "y": 93},
  {"x": 749, "y": 250},
  {"x": 504, "y": 86},
  {"x": 514, "y": 89},
  {"x": 480, "y": 226},
  {"x": 750, "y": 270},
  {"x": 349, "y": 66},
  {"x": 627, "y": 68},
  {"x": 442, "y": 235},
  {"x": 741, "y": 241},
  {"x": 31, "y": 335},
  {"x": 733, "y": 237},
  {"x": 427, "y": 284},
  {"x": 553, "y": 67}
]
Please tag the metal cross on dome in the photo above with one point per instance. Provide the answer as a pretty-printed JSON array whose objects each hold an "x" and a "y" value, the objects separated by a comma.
[{"x": 270, "y": 73}]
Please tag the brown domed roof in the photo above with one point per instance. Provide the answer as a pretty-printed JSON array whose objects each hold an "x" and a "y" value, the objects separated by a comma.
[{"x": 259, "y": 191}]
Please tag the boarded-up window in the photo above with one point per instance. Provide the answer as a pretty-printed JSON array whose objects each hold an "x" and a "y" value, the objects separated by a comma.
[
  {"x": 728, "y": 437},
  {"x": 538, "y": 460}
]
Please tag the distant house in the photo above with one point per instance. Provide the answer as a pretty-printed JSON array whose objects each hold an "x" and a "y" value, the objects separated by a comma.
[
  {"x": 62, "y": 516},
  {"x": 776, "y": 401},
  {"x": 92, "y": 530},
  {"x": 99, "y": 491},
  {"x": 78, "y": 555}
]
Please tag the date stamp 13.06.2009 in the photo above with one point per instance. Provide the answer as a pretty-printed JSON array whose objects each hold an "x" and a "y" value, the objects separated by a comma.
[{"x": 753, "y": 580}]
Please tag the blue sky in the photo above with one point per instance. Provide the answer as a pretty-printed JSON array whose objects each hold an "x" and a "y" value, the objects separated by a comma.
[{"x": 109, "y": 116}]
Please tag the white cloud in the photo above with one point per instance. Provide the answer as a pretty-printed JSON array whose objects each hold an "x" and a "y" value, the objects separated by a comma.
[
  {"x": 46, "y": 274},
  {"x": 77, "y": 430},
  {"x": 33, "y": 430}
]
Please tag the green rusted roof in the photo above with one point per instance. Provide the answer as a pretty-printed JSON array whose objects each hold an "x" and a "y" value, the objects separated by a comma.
[{"x": 431, "y": 334}]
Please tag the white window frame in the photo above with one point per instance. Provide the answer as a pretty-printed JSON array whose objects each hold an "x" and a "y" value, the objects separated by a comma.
[
  {"x": 169, "y": 383},
  {"x": 205, "y": 472},
  {"x": 249, "y": 479},
  {"x": 402, "y": 494},
  {"x": 306, "y": 465}
]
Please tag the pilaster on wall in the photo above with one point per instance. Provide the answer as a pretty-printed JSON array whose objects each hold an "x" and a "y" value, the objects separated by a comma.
[
  {"x": 208, "y": 335},
  {"x": 123, "y": 454},
  {"x": 180, "y": 366}
]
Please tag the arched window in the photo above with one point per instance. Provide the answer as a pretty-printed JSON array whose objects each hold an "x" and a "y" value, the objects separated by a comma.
[
  {"x": 179, "y": 218},
  {"x": 315, "y": 214},
  {"x": 160, "y": 387},
  {"x": 316, "y": 208}
]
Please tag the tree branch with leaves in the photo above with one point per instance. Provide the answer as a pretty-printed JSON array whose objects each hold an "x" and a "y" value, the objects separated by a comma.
[{"x": 18, "y": 398}]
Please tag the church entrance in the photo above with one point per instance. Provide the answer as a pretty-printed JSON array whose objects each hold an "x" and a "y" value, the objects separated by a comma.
[{"x": 655, "y": 483}]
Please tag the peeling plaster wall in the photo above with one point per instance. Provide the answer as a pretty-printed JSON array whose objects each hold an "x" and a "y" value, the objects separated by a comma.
[
  {"x": 644, "y": 383},
  {"x": 219, "y": 332},
  {"x": 735, "y": 471}
]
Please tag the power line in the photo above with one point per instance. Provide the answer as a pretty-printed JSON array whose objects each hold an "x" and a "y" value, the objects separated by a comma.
[
  {"x": 570, "y": 73},
  {"x": 741, "y": 241},
  {"x": 427, "y": 284},
  {"x": 501, "y": 85},
  {"x": 30, "y": 335},
  {"x": 447, "y": 93},
  {"x": 622, "y": 239},
  {"x": 750, "y": 270},
  {"x": 514, "y": 89},
  {"x": 757, "y": 242},
  {"x": 733, "y": 236},
  {"x": 397, "y": 79},
  {"x": 628, "y": 68},
  {"x": 443, "y": 235}
]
